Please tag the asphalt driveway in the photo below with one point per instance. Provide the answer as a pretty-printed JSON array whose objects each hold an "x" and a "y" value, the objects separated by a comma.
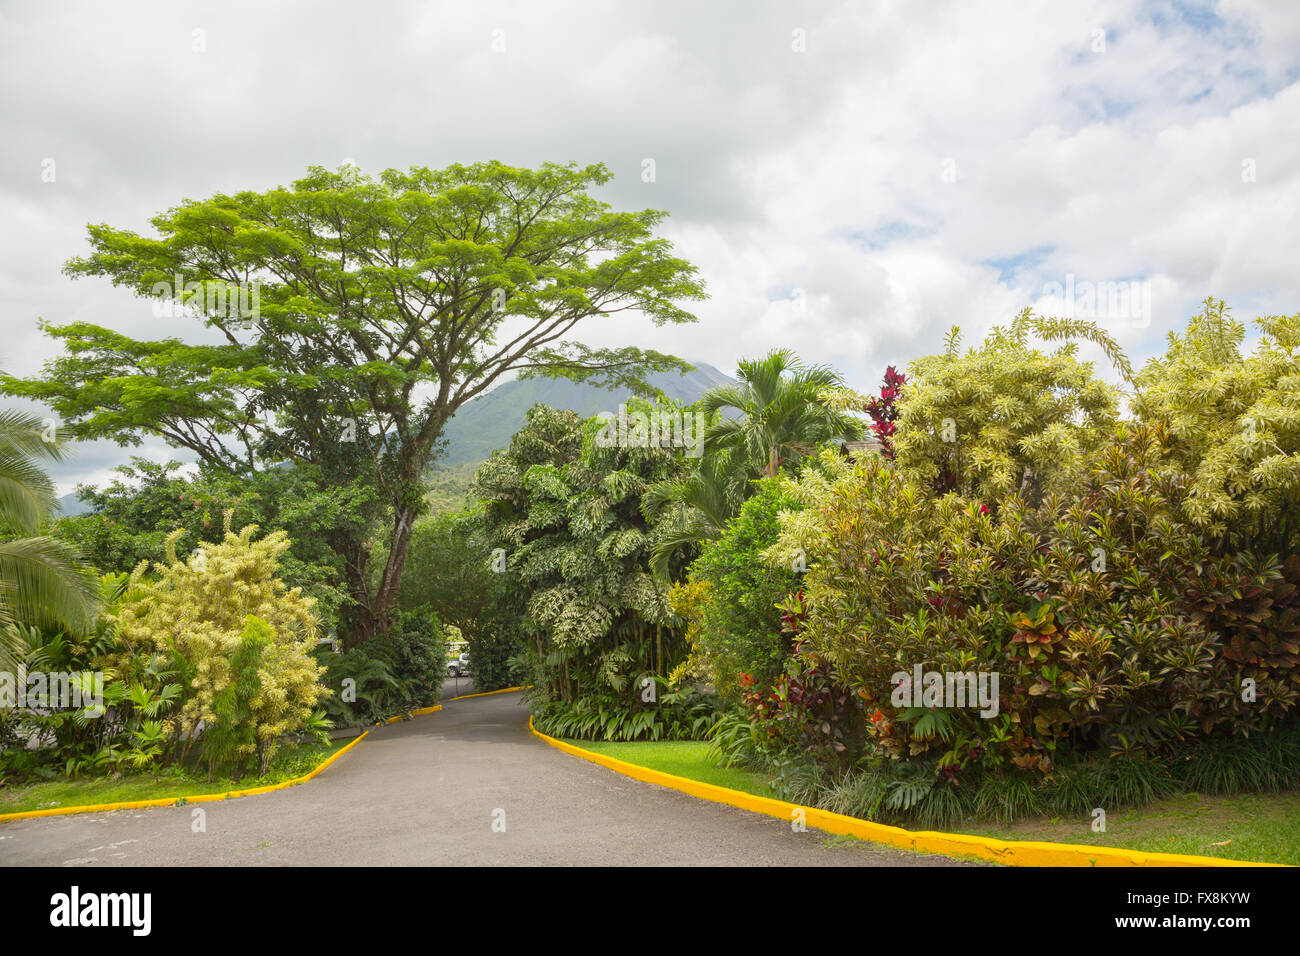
[{"x": 466, "y": 786}]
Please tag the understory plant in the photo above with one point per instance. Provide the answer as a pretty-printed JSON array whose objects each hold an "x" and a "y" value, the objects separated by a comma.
[{"x": 658, "y": 712}]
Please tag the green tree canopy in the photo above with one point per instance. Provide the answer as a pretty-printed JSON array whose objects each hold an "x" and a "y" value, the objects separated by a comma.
[{"x": 354, "y": 315}]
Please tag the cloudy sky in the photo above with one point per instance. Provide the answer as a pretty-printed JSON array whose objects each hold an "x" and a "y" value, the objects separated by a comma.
[{"x": 850, "y": 178}]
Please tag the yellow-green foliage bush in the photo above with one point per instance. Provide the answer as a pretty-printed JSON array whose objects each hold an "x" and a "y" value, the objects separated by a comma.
[
  {"x": 1111, "y": 623},
  {"x": 1236, "y": 423},
  {"x": 1007, "y": 417},
  {"x": 197, "y": 610}
]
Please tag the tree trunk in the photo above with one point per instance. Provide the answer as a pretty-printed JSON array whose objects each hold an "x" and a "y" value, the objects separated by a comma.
[
  {"x": 356, "y": 621},
  {"x": 371, "y": 614},
  {"x": 381, "y": 606}
]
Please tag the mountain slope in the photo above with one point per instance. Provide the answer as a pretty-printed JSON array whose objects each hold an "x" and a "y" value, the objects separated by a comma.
[
  {"x": 486, "y": 423},
  {"x": 71, "y": 505}
]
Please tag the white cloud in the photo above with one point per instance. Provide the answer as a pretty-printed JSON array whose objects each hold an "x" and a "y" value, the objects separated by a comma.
[{"x": 820, "y": 170}]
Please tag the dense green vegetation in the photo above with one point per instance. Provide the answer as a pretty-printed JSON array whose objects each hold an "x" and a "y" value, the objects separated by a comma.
[
  {"x": 42, "y": 582},
  {"x": 1013, "y": 524},
  {"x": 1140, "y": 646},
  {"x": 1108, "y": 572},
  {"x": 356, "y": 316}
]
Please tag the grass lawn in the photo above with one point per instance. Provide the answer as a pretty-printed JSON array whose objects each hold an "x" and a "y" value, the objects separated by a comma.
[
  {"x": 289, "y": 763},
  {"x": 684, "y": 758},
  {"x": 1262, "y": 827}
]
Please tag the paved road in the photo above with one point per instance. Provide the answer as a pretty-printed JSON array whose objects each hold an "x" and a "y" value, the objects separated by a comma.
[
  {"x": 427, "y": 792},
  {"x": 455, "y": 686}
]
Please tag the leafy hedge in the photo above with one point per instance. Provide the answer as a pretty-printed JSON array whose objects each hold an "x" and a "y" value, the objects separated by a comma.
[
  {"x": 1112, "y": 624},
  {"x": 1134, "y": 585},
  {"x": 730, "y": 600}
]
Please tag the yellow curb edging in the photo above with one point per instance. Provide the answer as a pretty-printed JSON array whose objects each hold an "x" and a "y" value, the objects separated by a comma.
[
  {"x": 419, "y": 712},
  {"x": 175, "y": 801},
  {"x": 437, "y": 707},
  {"x": 929, "y": 841},
  {"x": 486, "y": 693}
]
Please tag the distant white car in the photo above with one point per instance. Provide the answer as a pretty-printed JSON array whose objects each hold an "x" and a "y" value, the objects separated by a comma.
[{"x": 458, "y": 667}]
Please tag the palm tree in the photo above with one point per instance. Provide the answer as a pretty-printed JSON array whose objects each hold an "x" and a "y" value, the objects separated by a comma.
[
  {"x": 42, "y": 580},
  {"x": 694, "y": 508},
  {"x": 783, "y": 416}
]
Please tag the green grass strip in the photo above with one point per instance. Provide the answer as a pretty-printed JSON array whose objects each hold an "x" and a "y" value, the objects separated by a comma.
[{"x": 288, "y": 764}]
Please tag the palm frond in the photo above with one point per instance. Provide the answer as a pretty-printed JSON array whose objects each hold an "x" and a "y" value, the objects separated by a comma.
[{"x": 42, "y": 581}]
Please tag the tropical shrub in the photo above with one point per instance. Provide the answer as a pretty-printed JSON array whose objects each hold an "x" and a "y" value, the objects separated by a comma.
[
  {"x": 232, "y": 735},
  {"x": 417, "y": 649},
  {"x": 730, "y": 598},
  {"x": 130, "y": 731},
  {"x": 1079, "y": 605},
  {"x": 883, "y": 409},
  {"x": 1235, "y": 425},
  {"x": 363, "y": 687},
  {"x": 806, "y": 711},
  {"x": 389, "y": 675},
  {"x": 1253, "y": 604},
  {"x": 917, "y": 795},
  {"x": 498, "y": 656},
  {"x": 196, "y": 612},
  {"x": 132, "y": 516},
  {"x": 1006, "y": 417},
  {"x": 43, "y": 581},
  {"x": 665, "y": 714},
  {"x": 565, "y": 512}
]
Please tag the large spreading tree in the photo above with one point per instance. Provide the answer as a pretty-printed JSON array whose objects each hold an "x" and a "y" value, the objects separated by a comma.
[{"x": 381, "y": 307}]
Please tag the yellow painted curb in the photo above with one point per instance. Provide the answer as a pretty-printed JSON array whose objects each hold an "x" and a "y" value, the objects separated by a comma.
[
  {"x": 420, "y": 712},
  {"x": 437, "y": 707},
  {"x": 929, "y": 841},
  {"x": 174, "y": 801},
  {"x": 486, "y": 693}
]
